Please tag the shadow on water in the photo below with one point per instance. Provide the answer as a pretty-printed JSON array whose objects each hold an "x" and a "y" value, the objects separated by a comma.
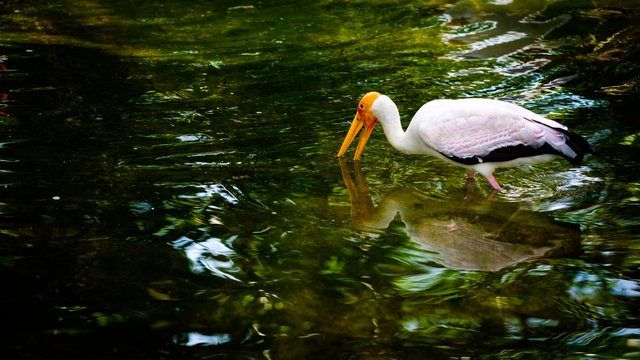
[{"x": 64, "y": 217}]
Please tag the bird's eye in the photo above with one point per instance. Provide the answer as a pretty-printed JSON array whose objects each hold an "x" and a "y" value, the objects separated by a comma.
[{"x": 361, "y": 106}]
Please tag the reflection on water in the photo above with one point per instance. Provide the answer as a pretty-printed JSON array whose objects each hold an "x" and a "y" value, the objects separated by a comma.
[
  {"x": 194, "y": 338},
  {"x": 504, "y": 34},
  {"x": 211, "y": 255},
  {"x": 465, "y": 235}
]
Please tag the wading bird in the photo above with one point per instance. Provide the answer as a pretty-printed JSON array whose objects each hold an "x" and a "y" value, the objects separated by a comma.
[{"x": 477, "y": 134}]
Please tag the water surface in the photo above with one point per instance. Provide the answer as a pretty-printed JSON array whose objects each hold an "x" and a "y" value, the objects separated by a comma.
[{"x": 170, "y": 186}]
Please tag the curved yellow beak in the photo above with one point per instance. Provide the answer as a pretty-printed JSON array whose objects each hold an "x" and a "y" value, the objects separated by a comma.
[{"x": 357, "y": 124}]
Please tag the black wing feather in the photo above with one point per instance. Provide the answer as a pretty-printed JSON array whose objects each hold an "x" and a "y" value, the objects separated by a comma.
[{"x": 576, "y": 142}]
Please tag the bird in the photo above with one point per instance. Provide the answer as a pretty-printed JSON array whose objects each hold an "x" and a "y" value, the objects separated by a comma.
[{"x": 478, "y": 134}]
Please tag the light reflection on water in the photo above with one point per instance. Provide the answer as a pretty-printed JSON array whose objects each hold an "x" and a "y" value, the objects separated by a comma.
[
  {"x": 211, "y": 191},
  {"x": 194, "y": 338},
  {"x": 212, "y": 255},
  {"x": 506, "y": 35}
]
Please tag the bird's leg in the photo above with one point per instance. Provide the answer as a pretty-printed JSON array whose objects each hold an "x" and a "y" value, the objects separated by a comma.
[
  {"x": 493, "y": 182},
  {"x": 471, "y": 175},
  {"x": 471, "y": 178}
]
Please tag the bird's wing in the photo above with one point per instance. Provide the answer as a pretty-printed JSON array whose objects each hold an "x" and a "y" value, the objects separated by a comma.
[{"x": 471, "y": 133}]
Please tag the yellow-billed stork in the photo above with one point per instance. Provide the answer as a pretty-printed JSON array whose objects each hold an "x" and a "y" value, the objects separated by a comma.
[{"x": 477, "y": 134}]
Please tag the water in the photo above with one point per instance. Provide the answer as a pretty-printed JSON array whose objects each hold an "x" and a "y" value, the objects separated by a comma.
[{"x": 170, "y": 187}]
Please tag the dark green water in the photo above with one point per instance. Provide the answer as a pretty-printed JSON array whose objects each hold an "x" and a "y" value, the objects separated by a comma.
[{"x": 170, "y": 187}]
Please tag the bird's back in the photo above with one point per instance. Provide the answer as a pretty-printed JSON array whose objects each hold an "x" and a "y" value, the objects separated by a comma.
[{"x": 470, "y": 131}]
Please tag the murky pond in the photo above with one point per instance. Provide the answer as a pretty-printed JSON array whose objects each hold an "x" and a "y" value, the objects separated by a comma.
[{"x": 170, "y": 186}]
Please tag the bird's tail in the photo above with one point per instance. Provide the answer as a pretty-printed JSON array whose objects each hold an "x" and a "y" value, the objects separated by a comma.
[{"x": 578, "y": 144}]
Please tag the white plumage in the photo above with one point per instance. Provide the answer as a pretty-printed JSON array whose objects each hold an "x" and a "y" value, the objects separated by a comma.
[{"x": 478, "y": 134}]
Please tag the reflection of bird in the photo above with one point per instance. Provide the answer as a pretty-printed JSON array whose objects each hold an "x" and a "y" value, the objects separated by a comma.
[
  {"x": 478, "y": 134},
  {"x": 479, "y": 236}
]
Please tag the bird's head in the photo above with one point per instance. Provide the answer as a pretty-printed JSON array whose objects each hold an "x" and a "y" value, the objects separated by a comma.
[{"x": 364, "y": 120}]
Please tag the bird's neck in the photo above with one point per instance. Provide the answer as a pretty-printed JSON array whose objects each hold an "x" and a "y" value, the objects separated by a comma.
[{"x": 387, "y": 113}]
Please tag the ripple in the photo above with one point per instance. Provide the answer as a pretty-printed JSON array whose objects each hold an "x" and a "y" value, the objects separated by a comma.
[
  {"x": 624, "y": 287},
  {"x": 196, "y": 338},
  {"x": 501, "y": 36},
  {"x": 212, "y": 255},
  {"x": 211, "y": 191}
]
